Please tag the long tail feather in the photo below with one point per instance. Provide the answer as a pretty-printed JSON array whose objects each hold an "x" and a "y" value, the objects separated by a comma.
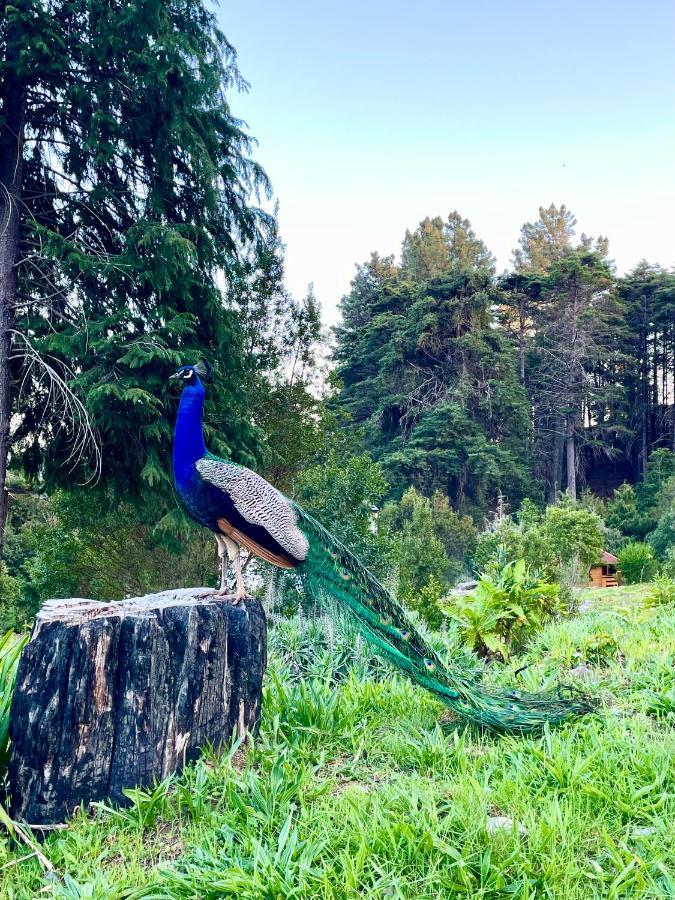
[{"x": 332, "y": 570}]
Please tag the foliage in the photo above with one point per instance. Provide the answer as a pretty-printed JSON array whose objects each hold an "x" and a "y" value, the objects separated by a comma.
[
  {"x": 662, "y": 591},
  {"x": 424, "y": 599},
  {"x": 660, "y": 470},
  {"x": 79, "y": 543},
  {"x": 662, "y": 539},
  {"x": 573, "y": 533},
  {"x": 138, "y": 187},
  {"x": 567, "y": 535},
  {"x": 637, "y": 563},
  {"x": 507, "y": 607},
  {"x": 344, "y": 494},
  {"x": 355, "y": 788},
  {"x": 622, "y": 513},
  {"x": 432, "y": 383},
  {"x": 11, "y": 646},
  {"x": 668, "y": 567},
  {"x": 436, "y": 247},
  {"x": 10, "y": 599}
]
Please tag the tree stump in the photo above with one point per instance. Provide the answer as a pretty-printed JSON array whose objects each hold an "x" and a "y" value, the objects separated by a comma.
[{"x": 115, "y": 695}]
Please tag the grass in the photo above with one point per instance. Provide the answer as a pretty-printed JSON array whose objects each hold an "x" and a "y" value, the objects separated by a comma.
[
  {"x": 359, "y": 787},
  {"x": 626, "y": 595}
]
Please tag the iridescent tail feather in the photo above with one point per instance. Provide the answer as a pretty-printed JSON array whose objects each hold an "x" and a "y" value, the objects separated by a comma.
[{"x": 332, "y": 571}]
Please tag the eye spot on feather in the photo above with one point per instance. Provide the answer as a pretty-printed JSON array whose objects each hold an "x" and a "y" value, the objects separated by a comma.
[
  {"x": 430, "y": 665},
  {"x": 405, "y": 634},
  {"x": 385, "y": 620},
  {"x": 346, "y": 576}
]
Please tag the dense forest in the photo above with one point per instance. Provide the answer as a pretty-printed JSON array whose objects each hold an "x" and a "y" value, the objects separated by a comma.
[
  {"x": 555, "y": 376},
  {"x": 139, "y": 234}
]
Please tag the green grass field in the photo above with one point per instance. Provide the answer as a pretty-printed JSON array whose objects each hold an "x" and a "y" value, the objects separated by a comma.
[
  {"x": 360, "y": 787},
  {"x": 613, "y": 598}
]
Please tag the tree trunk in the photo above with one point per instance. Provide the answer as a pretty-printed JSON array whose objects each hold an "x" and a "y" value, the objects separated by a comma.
[
  {"x": 571, "y": 459},
  {"x": 521, "y": 339},
  {"x": 556, "y": 462},
  {"x": 12, "y": 104},
  {"x": 644, "y": 390},
  {"x": 115, "y": 695}
]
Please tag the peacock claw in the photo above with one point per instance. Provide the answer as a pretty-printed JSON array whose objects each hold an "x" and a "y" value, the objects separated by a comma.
[{"x": 226, "y": 595}]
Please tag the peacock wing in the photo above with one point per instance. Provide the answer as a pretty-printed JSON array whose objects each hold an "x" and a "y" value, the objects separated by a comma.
[{"x": 258, "y": 502}]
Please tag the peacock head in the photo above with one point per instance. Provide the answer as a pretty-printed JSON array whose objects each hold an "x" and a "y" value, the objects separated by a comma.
[{"x": 193, "y": 376}]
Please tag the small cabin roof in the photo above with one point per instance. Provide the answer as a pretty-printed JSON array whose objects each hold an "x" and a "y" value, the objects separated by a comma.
[{"x": 608, "y": 559}]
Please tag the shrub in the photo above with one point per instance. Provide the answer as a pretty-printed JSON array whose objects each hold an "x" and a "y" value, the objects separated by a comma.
[
  {"x": 637, "y": 563},
  {"x": 668, "y": 567},
  {"x": 505, "y": 609},
  {"x": 660, "y": 467},
  {"x": 561, "y": 544},
  {"x": 662, "y": 592},
  {"x": 663, "y": 537},
  {"x": 574, "y": 533},
  {"x": 599, "y": 649},
  {"x": 502, "y": 541},
  {"x": 429, "y": 539},
  {"x": 622, "y": 513},
  {"x": 425, "y": 601}
]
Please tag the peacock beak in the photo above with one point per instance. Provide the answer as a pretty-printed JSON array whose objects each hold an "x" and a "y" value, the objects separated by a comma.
[{"x": 175, "y": 375}]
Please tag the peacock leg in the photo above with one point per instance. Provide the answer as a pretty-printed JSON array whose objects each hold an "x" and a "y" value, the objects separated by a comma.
[
  {"x": 223, "y": 555},
  {"x": 235, "y": 558}
]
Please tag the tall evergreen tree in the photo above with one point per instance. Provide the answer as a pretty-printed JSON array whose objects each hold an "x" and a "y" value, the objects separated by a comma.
[
  {"x": 648, "y": 293},
  {"x": 126, "y": 186},
  {"x": 546, "y": 240},
  {"x": 282, "y": 340},
  {"x": 436, "y": 247},
  {"x": 433, "y": 384},
  {"x": 576, "y": 334}
]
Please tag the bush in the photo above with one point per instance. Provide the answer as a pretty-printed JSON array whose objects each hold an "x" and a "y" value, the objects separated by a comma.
[
  {"x": 573, "y": 533},
  {"x": 622, "y": 514},
  {"x": 637, "y": 563},
  {"x": 662, "y": 539},
  {"x": 662, "y": 592},
  {"x": 660, "y": 468},
  {"x": 561, "y": 544},
  {"x": 425, "y": 601},
  {"x": 668, "y": 567},
  {"x": 505, "y": 609}
]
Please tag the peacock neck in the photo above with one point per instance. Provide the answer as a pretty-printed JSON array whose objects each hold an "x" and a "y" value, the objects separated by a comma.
[{"x": 188, "y": 442}]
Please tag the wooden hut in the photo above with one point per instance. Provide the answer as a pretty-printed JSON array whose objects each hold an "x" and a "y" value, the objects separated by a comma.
[{"x": 606, "y": 573}]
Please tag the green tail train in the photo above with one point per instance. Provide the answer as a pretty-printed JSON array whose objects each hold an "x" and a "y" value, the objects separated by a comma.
[{"x": 330, "y": 569}]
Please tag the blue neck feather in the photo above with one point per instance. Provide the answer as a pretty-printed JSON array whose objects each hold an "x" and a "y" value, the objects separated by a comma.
[{"x": 188, "y": 441}]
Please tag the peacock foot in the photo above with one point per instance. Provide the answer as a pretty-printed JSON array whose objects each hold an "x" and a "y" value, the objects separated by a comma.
[{"x": 226, "y": 595}]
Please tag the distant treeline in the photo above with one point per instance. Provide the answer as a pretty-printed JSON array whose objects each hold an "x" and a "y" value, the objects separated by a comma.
[{"x": 551, "y": 377}]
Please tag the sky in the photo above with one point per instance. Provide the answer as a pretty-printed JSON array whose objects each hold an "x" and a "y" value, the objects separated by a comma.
[{"x": 372, "y": 115}]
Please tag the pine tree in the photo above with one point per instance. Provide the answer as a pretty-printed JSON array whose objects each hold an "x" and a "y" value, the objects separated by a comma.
[
  {"x": 648, "y": 293},
  {"x": 546, "y": 240},
  {"x": 577, "y": 333},
  {"x": 126, "y": 189},
  {"x": 433, "y": 384},
  {"x": 436, "y": 247}
]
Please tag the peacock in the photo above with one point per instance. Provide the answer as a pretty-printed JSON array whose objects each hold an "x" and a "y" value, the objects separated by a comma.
[{"x": 244, "y": 510}]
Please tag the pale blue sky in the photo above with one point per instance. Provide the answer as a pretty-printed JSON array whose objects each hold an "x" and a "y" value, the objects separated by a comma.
[{"x": 372, "y": 115}]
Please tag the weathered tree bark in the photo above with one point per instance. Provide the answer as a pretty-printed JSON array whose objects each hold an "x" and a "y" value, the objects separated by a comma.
[{"x": 114, "y": 695}]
